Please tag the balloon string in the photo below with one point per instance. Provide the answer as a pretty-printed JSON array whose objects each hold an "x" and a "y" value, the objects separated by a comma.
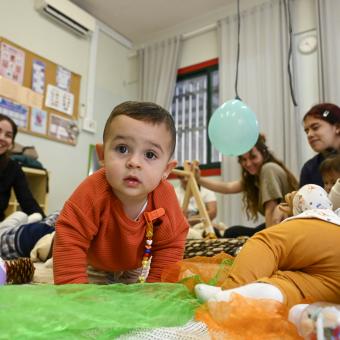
[
  {"x": 290, "y": 53},
  {"x": 238, "y": 48}
]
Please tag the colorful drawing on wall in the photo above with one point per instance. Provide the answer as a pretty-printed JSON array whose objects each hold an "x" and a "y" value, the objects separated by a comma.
[
  {"x": 63, "y": 78},
  {"x": 18, "y": 112},
  {"x": 12, "y": 62},
  {"x": 63, "y": 129},
  {"x": 38, "y": 121},
  {"x": 59, "y": 100},
  {"x": 38, "y": 76}
]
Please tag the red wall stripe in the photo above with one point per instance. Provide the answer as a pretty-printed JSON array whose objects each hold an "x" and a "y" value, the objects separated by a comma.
[{"x": 197, "y": 67}]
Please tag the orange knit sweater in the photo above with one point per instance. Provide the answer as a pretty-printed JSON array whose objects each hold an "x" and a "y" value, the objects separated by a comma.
[{"x": 93, "y": 229}]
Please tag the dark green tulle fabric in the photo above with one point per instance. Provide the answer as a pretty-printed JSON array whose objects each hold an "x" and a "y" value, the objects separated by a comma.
[{"x": 91, "y": 311}]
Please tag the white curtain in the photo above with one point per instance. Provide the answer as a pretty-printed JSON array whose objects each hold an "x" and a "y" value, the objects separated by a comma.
[
  {"x": 329, "y": 30},
  {"x": 262, "y": 84},
  {"x": 158, "y": 63}
]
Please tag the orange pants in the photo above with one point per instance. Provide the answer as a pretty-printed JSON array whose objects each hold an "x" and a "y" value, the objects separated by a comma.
[{"x": 301, "y": 257}]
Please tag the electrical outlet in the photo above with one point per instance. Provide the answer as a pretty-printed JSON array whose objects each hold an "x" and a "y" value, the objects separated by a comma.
[
  {"x": 82, "y": 111},
  {"x": 89, "y": 125}
]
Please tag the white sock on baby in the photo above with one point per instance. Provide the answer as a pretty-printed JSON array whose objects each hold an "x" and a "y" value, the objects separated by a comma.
[
  {"x": 295, "y": 312},
  {"x": 206, "y": 292},
  {"x": 35, "y": 217},
  {"x": 256, "y": 290}
]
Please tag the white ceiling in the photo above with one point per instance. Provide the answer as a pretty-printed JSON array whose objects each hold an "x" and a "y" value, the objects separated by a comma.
[{"x": 138, "y": 19}]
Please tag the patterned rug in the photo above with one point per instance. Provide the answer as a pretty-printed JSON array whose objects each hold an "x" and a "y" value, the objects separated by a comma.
[{"x": 209, "y": 248}]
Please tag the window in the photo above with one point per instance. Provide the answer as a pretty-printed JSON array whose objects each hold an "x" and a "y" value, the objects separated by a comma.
[{"x": 196, "y": 98}]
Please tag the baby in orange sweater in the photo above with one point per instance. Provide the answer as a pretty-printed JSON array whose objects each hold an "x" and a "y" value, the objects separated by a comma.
[{"x": 125, "y": 218}]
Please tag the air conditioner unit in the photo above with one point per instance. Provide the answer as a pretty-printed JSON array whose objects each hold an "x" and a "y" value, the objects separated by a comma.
[{"x": 67, "y": 14}]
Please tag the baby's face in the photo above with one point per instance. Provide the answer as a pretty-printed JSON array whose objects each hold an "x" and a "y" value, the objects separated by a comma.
[
  {"x": 136, "y": 157},
  {"x": 329, "y": 180}
]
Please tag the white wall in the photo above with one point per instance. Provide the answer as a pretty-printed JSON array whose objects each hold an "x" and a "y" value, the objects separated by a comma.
[
  {"x": 67, "y": 164},
  {"x": 305, "y": 67},
  {"x": 116, "y": 79},
  {"x": 199, "y": 48}
]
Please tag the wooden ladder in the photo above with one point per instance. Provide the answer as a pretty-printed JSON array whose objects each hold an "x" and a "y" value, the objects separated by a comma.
[{"x": 193, "y": 190}]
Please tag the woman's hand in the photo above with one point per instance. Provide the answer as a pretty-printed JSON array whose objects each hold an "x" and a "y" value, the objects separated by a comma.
[
  {"x": 233, "y": 187},
  {"x": 284, "y": 209}
]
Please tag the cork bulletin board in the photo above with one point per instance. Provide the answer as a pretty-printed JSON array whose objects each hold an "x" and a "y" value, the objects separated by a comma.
[{"x": 41, "y": 96}]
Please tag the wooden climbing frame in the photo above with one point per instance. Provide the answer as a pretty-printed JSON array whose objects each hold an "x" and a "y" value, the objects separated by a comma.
[{"x": 192, "y": 189}]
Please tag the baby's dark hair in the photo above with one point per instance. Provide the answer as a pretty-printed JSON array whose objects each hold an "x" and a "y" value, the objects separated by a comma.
[
  {"x": 330, "y": 164},
  {"x": 328, "y": 112},
  {"x": 11, "y": 121},
  {"x": 144, "y": 111}
]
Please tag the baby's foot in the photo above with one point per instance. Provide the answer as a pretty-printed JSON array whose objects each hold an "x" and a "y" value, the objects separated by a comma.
[
  {"x": 35, "y": 217},
  {"x": 206, "y": 292}
]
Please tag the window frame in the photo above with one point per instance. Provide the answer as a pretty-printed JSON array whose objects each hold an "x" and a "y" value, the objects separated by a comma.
[{"x": 205, "y": 68}]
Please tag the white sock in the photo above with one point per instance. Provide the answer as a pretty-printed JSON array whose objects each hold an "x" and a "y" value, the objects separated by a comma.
[
  {"x": 257, "y": 290},
  {"x": 295, "y": 313},
  {"x": 206, "y": 292},
  {"x": 35, "y": 217}
]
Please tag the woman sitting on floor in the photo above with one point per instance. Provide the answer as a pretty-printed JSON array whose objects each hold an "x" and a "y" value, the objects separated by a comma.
[
  {"x": 11, "y": 175},
  {"x": 264, "y": 183}
]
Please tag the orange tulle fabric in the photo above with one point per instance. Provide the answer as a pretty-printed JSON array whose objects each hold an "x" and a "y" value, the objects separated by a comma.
[
  {"x": 245, "y": 318},
  {"x": 199, "y": 269},
  {"x": 239, "y": 319}
]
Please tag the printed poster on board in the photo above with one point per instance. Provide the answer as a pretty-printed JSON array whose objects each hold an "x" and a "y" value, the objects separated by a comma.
[
  {"x": 38, "y": 121},
  {"x": 18, "y": 112},
  {"x": 59, "y": 99},
  {"x": 63, "y": 79},
  {"x": 12, "y": 62},
  {"x": 63, "y": 129},
  {"x": 38, "y": 76}
]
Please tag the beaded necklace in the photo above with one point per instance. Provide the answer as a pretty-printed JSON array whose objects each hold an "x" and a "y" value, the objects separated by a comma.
[{"x": 146, "y": 261}]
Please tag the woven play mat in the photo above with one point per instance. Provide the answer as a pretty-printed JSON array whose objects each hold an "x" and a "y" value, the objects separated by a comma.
[{"x": 211, "y": 247}]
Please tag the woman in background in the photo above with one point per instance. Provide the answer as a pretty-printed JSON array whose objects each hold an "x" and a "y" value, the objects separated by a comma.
[
  {"x": 322, "y": 127},
  {"x": 264, "y": 183},
  {"x": 11, "y": 175}
]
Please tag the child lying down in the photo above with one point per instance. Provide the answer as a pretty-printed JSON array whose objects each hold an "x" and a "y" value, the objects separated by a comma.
[
  {"x": 291, "y": 262},
  {"x": 22, "y": 236}
]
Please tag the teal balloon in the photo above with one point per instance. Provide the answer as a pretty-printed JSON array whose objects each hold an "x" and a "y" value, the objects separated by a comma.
[{"x": 233, "y": 128}]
